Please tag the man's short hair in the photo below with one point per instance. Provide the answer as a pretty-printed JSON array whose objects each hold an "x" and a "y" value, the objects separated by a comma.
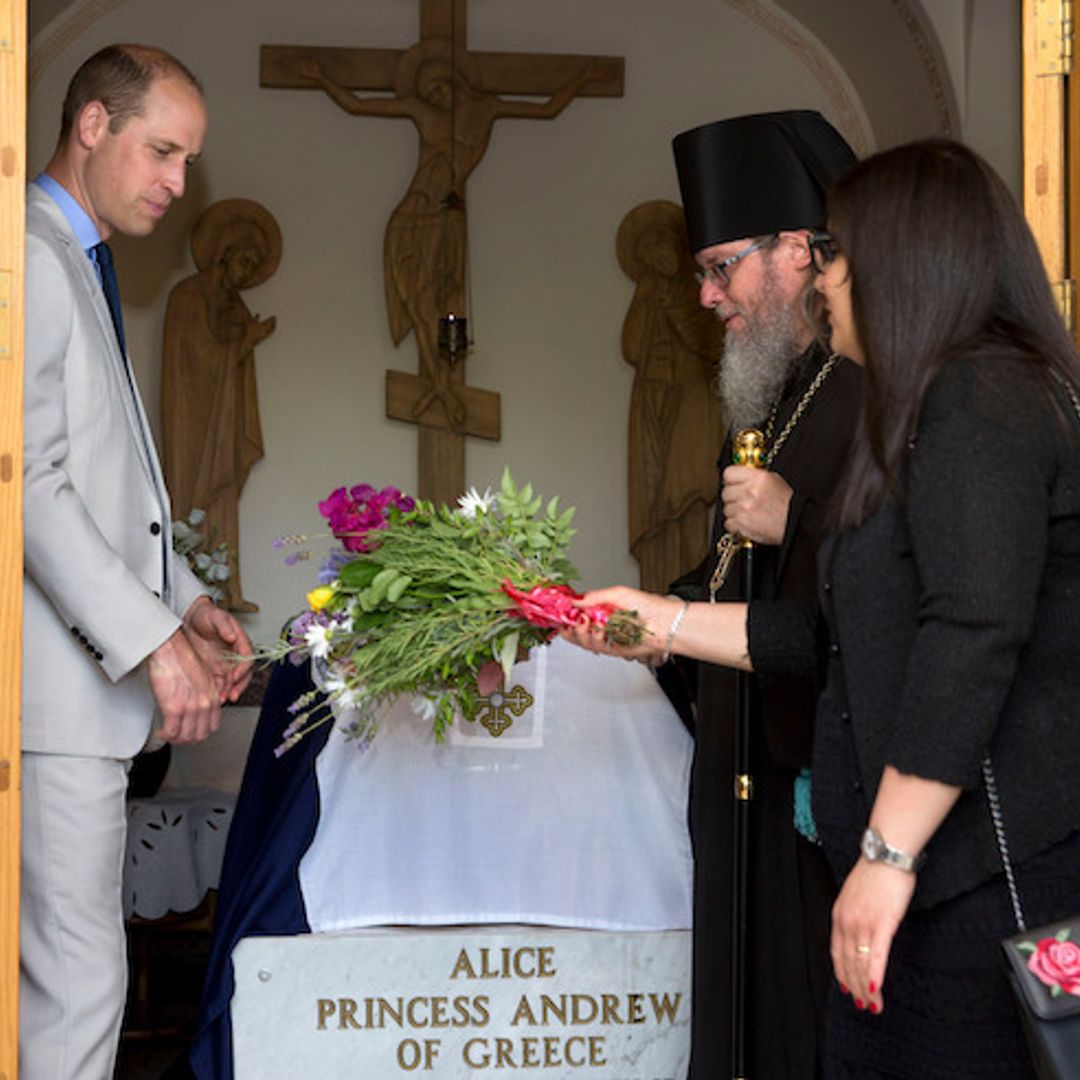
[{"x": 119, "y": 76}]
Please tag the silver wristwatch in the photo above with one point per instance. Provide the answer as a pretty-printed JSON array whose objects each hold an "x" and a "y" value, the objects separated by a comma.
[{"x": 875, "y": 849}]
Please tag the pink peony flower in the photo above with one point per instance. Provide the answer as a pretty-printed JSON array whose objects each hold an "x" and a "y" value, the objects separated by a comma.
[
  {"x": 361, "y": 492},
  {"x": 1057, "y": 963},
  {"x": 355, "y": 512}
]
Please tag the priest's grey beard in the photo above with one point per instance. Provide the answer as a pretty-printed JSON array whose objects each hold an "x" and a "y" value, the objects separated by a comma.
[{"x": 759, "y": 358}]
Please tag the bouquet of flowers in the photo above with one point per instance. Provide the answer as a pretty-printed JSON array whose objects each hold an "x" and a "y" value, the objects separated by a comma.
[{"x": 437, "y": 602}]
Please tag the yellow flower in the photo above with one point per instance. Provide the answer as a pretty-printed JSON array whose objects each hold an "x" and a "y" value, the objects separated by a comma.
[{"x": 320, "y": 597}]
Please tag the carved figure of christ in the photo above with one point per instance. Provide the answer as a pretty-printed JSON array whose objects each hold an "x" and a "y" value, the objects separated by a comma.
[{"x": 453, "y": 97}]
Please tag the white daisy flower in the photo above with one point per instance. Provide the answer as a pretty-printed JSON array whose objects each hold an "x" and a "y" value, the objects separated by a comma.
[
  {"x": 318, "y": 639},
  {"x": 472, "y": 502},
  {"x": 337, "y": 686}
]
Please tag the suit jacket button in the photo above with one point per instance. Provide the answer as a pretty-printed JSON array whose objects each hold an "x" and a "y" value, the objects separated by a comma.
[
  {"x": 99, "y": 655},
  {"x": 155, "y": 528},
  {"x": 834, "y": 649},
  {"x": 75, "y": 631}
]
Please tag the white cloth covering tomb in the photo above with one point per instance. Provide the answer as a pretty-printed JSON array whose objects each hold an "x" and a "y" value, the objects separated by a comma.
[{"x": 574, "y": 815}]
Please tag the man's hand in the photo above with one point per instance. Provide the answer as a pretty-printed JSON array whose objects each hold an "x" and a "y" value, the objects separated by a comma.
[
  {"x": 185, "y": 691},
  {"x": 219, "y": 640},
  {"x": 756, "y": 504}
]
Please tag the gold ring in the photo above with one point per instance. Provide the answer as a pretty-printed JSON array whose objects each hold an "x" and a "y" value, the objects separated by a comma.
[{"x": 862, "y": 950}]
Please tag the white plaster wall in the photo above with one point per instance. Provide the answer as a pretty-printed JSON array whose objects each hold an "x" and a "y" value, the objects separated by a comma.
[
  {"x": 981, "y": 43},
  {"x": 992, "y": 122}
]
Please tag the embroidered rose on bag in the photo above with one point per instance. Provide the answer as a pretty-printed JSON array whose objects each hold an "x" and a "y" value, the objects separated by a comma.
[{"x": 1055, "y": 961}]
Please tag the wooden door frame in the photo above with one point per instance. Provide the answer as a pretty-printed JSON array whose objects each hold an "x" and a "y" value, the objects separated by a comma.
[
  {"x": 1050, "y": 177},
  {"x": 12, "y": 246}
]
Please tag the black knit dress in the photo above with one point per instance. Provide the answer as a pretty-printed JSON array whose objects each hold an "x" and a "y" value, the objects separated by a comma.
[
  {"x": 949, "y": 624},
  {"x": 949, "y": 1012}
]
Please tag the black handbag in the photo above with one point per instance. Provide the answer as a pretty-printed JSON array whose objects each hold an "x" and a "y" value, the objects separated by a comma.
[{"x": 1044, "y": 970}]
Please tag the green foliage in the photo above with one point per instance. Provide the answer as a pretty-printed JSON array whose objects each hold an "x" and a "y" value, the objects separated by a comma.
[{"x": 423, "y": 611}]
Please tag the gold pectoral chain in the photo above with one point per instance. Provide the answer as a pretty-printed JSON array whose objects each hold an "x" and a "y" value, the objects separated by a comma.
[
  {"x": 728, "y": 544},
  {"x": 726, "y": 547}
]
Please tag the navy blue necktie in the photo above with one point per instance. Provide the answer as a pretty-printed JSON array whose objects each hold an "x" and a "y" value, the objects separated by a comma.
[{"x": 104, "y": 259}]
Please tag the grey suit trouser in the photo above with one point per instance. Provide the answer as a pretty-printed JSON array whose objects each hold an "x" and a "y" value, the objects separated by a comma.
[{"x": 72, "y": 950}]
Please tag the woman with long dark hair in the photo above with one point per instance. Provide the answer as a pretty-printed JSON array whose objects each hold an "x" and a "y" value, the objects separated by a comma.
[{"x": 949, "y": 615}]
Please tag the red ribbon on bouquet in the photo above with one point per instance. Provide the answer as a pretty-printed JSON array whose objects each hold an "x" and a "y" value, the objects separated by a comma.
[{"x": 553, "y": 608}]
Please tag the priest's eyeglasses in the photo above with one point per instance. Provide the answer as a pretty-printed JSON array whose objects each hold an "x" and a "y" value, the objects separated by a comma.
[
  {"x": 719, "y": 274},
  {"x": 823, "y": 249}
]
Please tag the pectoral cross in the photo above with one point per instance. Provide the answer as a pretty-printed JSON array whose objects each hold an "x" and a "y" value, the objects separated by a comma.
[{"x": 454, "y": 97}]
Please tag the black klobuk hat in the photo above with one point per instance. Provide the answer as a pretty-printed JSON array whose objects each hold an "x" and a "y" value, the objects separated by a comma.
[{"x": 756, "y": 175}]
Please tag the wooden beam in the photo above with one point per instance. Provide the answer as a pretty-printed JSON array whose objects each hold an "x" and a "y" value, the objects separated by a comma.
[
  {"x": 444, "y": 19},
  {"x": 542, "y": 74},
  {"x": 281, "y": 66},
  {"x": 12, "y": 246},
  {"x": 534, "y": 74},
  {"x": 1045, "y": 68},
  {"x": 406, "y": 392},
  {"x": 1073, "y": 191}
]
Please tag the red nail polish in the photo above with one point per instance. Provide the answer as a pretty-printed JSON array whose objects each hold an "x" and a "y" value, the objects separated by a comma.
[
  {"x": 874, "y": 1008},
  {"x": 858, "y": 1003},
  {"x": 844, "y": 989},
  {"x": 873, "y": 988}
]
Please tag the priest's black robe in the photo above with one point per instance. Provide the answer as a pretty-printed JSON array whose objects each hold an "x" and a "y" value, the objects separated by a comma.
[{"x": 791, "y": 886}]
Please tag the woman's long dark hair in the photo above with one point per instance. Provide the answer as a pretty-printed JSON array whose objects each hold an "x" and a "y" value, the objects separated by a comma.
[{"x": 942, "y": 263}]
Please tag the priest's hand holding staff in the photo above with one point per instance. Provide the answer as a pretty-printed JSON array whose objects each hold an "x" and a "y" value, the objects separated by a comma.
[{"x": 756, "y": 503}]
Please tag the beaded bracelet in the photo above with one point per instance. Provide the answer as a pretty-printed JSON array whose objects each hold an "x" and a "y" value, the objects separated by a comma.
[{"x": 673, "y": 629}]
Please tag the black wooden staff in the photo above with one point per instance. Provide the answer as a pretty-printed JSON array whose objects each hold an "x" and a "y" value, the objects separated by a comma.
[{"x": 748, "y": 449}]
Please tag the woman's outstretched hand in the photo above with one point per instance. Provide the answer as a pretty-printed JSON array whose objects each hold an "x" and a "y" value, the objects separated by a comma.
[{"x": 654, "y": 612}]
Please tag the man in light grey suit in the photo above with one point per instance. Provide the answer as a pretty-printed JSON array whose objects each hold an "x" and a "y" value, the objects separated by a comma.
[{"x": 114, "y": 621}]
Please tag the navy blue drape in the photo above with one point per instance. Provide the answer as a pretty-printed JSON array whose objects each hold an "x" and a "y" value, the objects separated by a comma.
[{"x": 277, "y": 811}]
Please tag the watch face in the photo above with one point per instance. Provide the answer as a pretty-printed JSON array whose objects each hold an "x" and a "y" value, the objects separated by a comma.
[{"x": 871, "y": 846}]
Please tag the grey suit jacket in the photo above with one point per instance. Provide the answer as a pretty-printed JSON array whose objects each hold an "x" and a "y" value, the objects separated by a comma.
[{"x": 102, "y": 587}]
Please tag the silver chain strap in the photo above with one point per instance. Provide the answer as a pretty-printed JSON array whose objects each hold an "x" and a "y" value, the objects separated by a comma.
[
  {"x": 1071, "y": 391},
  {"x": 1002, "y": 844},
  {"x": 988, "y": 769}
]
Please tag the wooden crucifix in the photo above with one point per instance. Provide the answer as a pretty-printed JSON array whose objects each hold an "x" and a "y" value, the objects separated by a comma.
[{"x": 454, "y": 97}]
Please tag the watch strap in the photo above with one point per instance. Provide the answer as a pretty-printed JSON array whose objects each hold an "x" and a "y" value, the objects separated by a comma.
[{"x": 876, "y": 848}]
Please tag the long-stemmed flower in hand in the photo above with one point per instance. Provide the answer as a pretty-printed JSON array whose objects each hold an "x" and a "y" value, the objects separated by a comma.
[{"x": 437, "y": 602}]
